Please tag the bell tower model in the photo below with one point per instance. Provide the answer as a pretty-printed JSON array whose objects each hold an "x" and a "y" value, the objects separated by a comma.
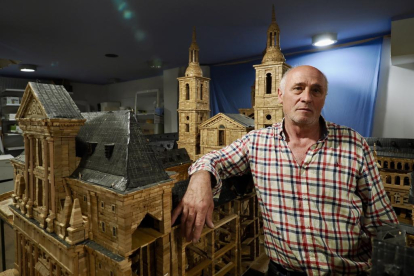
[
  {"x": 194, "y": 103},
  {"x": 267, "y": 110}
]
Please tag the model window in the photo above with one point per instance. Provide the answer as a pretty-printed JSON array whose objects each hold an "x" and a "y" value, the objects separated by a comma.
[
  {"x": 388, "y": 179},
  {"x": 113, "y": 208},
  {"x": 114, "y": 231},
  {"x": 406, "y": 181},
  {"x": 187, "y": 91},
  {"x": 201, "y": 92},
  {"x": 102, "y": 204},
  {"x": 268, "y": 83},
  {"x": 221, "y": 138},
  {"x": 85, "y": 198},
  {"x": 103, "y": 226},
  {"x": 187, "y": 127},
  {"x": 397, "y": 180}
]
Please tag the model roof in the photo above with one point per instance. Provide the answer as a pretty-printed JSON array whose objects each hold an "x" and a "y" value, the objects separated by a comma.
[
  {"x": 55, "y": 100},
  {"x": 241, "y": 118},
  {"x": 115, "y": 153}
]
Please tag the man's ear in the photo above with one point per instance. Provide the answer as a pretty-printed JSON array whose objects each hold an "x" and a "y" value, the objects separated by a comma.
[{"x": 279, "y": 96}]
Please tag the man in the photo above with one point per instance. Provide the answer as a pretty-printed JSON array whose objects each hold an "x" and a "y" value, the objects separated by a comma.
[{"x": 317, "y": 184}]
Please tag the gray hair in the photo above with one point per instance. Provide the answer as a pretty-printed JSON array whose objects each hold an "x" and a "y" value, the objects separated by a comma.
[{"x": 283, "y": 80}]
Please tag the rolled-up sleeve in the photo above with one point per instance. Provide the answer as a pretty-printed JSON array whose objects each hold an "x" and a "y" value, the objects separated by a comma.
[{"x": 232, "y": 160}]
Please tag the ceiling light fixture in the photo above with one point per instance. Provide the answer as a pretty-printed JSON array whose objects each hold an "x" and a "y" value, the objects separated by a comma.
[
  {"x": 155, "y": 64},
  {"x": 27, "y": 67},
  {"x": 324, "y": 39}
]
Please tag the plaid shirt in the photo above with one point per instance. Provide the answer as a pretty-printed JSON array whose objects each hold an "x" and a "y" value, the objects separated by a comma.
[{"x": 319, "y": 216}]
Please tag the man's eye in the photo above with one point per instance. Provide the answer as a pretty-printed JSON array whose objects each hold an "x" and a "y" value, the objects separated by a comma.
[
  {"x": 297, "y": 88},
  {"x": 317, "y": 91}
]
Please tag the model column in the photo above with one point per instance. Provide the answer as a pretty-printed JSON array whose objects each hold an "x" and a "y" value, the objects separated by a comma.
[
  {"x": 26, "y": 175},
  {"x": 45, "y": 146},
  {"x": 29, "y": 205},
  {"x": 52, "y": 204}
]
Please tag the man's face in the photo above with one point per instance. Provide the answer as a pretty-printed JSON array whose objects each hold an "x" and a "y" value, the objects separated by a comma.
[{"x": 304, "y": 96}]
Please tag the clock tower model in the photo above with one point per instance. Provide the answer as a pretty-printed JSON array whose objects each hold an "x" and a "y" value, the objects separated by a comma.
[
  {"x": 194, "y": 103},
  {"x": 267, "y": 109}
]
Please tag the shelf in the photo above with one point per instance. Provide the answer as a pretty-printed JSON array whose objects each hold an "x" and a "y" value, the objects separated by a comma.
[
  {"x": 15, "y": 148},
  {"x": 5, "y": 105},
  {"x": 11, "y": 92},
  {"x": 145, "y": 114},
  {"x": 12, "y": 134},
  {"x": 7, "y": 120}
]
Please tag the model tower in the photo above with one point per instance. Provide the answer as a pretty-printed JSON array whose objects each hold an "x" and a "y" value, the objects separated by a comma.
[
  {"x": 194, "y": 103},
  {"x": 267, "y": 110}
]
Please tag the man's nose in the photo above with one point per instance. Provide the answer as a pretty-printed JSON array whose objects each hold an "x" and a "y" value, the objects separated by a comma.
[{"x": 306, "y": 96}]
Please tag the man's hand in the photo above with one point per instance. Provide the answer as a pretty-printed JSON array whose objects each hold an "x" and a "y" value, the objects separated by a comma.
[{"x": 196, "y": 206}]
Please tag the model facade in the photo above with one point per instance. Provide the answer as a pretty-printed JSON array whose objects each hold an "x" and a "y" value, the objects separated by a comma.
[
  {"x": 194, "y": 103},
  {"x": 395, "y": 159},
  {"x": 90, "y": 197},
  {"x": 223, "y": 129}
]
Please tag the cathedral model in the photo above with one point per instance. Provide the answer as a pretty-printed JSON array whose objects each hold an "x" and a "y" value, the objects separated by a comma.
[
  {"x": 197, "y": 133},
  {"x": 90, "y": 196}
]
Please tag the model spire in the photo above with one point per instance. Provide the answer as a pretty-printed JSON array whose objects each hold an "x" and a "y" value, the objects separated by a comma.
[
  {"x": 273, "y": 52},
  {"x": 193, "y": 69}
]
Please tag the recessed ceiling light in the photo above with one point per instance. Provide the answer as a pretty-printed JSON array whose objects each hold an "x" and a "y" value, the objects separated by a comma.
[
  {"x": 27, "y": 68},
  {"x": 324, "y": 39},
  {"x": 111, "y": 55}
]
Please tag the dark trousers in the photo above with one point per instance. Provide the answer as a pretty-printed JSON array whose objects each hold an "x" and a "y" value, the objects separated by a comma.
[{"x": 278, "y": 270}]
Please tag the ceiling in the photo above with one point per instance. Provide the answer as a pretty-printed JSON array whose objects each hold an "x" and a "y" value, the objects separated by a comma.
[{"x": 69, "y": 39}]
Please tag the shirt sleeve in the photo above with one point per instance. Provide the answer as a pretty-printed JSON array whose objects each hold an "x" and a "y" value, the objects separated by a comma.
[
  {"x": 377, "y": 207},
  {"x": 232, "y": 160}
]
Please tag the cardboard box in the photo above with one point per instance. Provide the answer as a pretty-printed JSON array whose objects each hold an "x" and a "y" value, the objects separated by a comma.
[
  {"x": 6, "y": 169},
  {"x": 10, "y": 101},
  {"x": 10, "y": 116}
]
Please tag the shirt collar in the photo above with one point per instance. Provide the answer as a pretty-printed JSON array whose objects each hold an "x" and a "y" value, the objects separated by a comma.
[{"x": 281, "y": 126}]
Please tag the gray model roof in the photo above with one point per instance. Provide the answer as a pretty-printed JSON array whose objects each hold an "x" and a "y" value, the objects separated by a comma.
[
  {"x": 392, "y": 147},
  {"x": 241, "y": 118},
  {"x": 174, "y": 157},
  {"x": 56, "y": 101},
  {"x": 132, "y": 164}
]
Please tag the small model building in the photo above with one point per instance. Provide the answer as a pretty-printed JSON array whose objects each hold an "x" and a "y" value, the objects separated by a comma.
[
  {"x": 194, "y": 103},
  {"x": 90, "y": 196},
  {"x": 395, "y": 158},
  {"x": 267, "y": 109},
  {"x": 223, "y": 129}
]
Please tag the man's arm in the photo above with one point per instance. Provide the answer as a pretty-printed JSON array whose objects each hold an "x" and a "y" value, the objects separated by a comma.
[
  {"x": 377, "y": 207},
  {"x": 197, "y": 204}
]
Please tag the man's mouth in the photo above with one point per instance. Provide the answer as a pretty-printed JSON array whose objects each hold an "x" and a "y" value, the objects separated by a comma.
[{"x": 305, "y": 109}]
